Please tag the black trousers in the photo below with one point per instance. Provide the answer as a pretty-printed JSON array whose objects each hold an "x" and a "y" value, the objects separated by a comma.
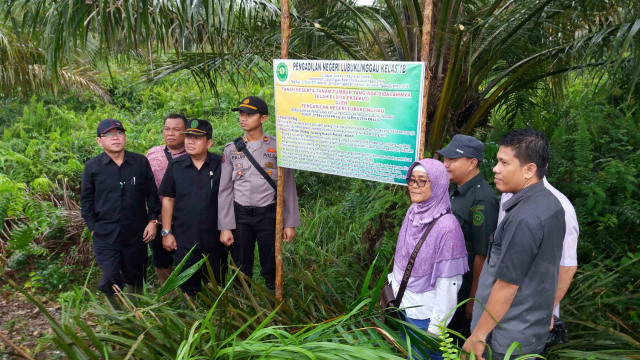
[
  {"x": 217, "y": 257},
  {"x": 121, "y": 263},
  {"x": 459, "y": 321},
  {"x": 252, "y": 228}
]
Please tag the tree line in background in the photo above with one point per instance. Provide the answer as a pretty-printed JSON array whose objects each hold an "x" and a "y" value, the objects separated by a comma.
[{"x": 570, "y": 70}]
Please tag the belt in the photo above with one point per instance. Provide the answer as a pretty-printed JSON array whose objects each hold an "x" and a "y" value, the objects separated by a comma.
[{"x": 254, "y": 210}]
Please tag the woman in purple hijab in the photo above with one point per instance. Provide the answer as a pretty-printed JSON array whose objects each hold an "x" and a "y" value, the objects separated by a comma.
[{"x": 432, "y": 290}]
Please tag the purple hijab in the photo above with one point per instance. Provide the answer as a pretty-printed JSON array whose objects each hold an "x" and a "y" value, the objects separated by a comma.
[{"x": 443, "y": 254}]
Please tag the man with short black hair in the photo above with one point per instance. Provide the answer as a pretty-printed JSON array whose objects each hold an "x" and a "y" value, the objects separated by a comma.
[
  {"x": 475, "y": 205},
  {"x": 519, "y": 278},
  {"x": 190, "y": 206},
  {"x": 159, "y": 158},
  {"x": 120, "y": 207}
]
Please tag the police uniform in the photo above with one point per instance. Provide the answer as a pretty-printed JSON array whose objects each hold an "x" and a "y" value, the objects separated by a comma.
[
  {"x": 195, "y": 208},
  {"x": 246, "y": 204},
  {"x": 476, "y": 206},
  {"x": 118, "y": 201}
]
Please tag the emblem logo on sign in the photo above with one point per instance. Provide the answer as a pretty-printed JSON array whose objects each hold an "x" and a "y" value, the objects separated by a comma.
[
  {"x": 194, "y": 123},
  {"x": 282, "y": 72}
]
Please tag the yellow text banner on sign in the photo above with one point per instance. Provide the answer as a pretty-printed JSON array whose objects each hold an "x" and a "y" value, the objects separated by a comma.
[{"x": 358, "y": 119}]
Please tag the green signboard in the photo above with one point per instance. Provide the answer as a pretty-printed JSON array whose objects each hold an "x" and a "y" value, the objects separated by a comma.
[{"x": 358, "y": 119}]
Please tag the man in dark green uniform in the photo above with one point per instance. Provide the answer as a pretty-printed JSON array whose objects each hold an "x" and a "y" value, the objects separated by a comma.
[{"x": 476, "y": 206}]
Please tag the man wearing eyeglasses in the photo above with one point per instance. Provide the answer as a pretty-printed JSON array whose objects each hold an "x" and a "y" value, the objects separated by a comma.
[
  {"x": 120, "y": 207},
  {"x": 475, "y": 205}
]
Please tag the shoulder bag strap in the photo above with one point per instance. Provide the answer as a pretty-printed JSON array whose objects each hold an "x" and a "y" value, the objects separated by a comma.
[
  {"x": 240, "y": 145},
  {"x": 412, "y": 259},
  {"x": 168, "y": 155}
]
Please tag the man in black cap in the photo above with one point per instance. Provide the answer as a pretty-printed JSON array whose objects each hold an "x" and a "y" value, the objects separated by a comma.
[
  {"x": 190, "y": 206},
  {"x": 120, "y": 207},
  {"x": 246, "y": 207},
  {"x": 476, "y": 206}
]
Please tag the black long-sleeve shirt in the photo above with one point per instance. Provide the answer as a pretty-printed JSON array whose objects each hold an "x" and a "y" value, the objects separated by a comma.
[{"x": 118, "y": 201}]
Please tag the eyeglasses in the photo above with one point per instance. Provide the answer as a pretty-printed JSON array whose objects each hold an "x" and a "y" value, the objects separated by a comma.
[
  {"x": 112, "y": 134},
  {"x": 421, "y": 183}
]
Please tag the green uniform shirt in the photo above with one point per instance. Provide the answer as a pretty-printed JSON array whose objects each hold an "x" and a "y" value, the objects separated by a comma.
[{"x": 476, "y": 206}]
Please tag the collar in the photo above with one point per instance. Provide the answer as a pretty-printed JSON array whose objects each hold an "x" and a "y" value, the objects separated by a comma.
[
  {"x": 464, "y": 188},
  {"x": 166, "y": 148},
  {"x": 265, "y": 138},
  {"x": 188, "y": 161},
  {"x": 106, "y": 158},
  {"x": 530, "y": 190}
]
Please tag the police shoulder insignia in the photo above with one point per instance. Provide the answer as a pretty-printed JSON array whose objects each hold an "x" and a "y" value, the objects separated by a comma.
[
  {"x": 477, "y": 207},
  {"x": 239, "y": 173},
  {"x": 478, "y": 218}
]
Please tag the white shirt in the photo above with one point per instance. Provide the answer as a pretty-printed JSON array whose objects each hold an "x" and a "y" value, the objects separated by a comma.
[
  {"x": 436, "y": 305},
  {"x": 570, "y": 243}
]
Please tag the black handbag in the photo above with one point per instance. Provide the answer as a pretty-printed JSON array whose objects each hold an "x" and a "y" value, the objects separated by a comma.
[{"x": 389, "y": 303}]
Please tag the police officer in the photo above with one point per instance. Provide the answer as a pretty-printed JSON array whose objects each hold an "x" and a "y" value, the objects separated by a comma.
[
  {"x": 246, "y": 207},
  {"x": 190, "y": 206},
  {"x": 159, "y": 158},
  {"x": 120, "y": 207},
  {"x": 475, "y": 205}
]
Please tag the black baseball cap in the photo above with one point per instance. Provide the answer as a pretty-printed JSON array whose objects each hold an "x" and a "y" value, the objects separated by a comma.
[
  {"x": 199, "y": 127},
  {"x": 463, "y": 146},
  {"x": 253, "y": 105},
  {"x": 108, "y": 124}
]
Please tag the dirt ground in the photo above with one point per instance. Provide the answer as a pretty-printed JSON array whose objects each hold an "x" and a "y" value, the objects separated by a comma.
[{"x": 25, "y": 326}]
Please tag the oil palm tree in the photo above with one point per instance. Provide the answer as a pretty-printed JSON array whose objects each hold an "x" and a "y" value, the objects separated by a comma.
[
  {"x": 485, "y": 54},
  {"x": 23, "y": 70}
]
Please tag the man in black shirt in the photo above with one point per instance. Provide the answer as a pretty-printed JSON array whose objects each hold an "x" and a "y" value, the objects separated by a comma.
[
  {"x": 120, "y": 207},
  {"x": 518, "y": 283},
  {"x": 190, "y": 206},
  {"x": 475, "y": 205}
]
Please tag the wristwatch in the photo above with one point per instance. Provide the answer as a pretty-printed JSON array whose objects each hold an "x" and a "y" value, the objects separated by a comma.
[{"x": 165, "y": 232}]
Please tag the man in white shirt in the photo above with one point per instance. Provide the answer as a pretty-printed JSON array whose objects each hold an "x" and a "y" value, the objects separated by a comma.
[{"x": 569, "y": 260}]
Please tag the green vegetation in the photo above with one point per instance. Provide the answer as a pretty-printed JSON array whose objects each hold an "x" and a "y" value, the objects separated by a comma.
[{"x": 568, "y": 69}]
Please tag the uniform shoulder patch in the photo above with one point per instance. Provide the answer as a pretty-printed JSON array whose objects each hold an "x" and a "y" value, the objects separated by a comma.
[
  {"x": 477, "y": 207},
  {"x": 478, "y": 218}
]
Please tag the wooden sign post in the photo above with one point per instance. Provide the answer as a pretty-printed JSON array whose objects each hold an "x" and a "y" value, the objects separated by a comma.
[
  {"x": 427, "y": 11},
  {"x": 284, "y": 54}
]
